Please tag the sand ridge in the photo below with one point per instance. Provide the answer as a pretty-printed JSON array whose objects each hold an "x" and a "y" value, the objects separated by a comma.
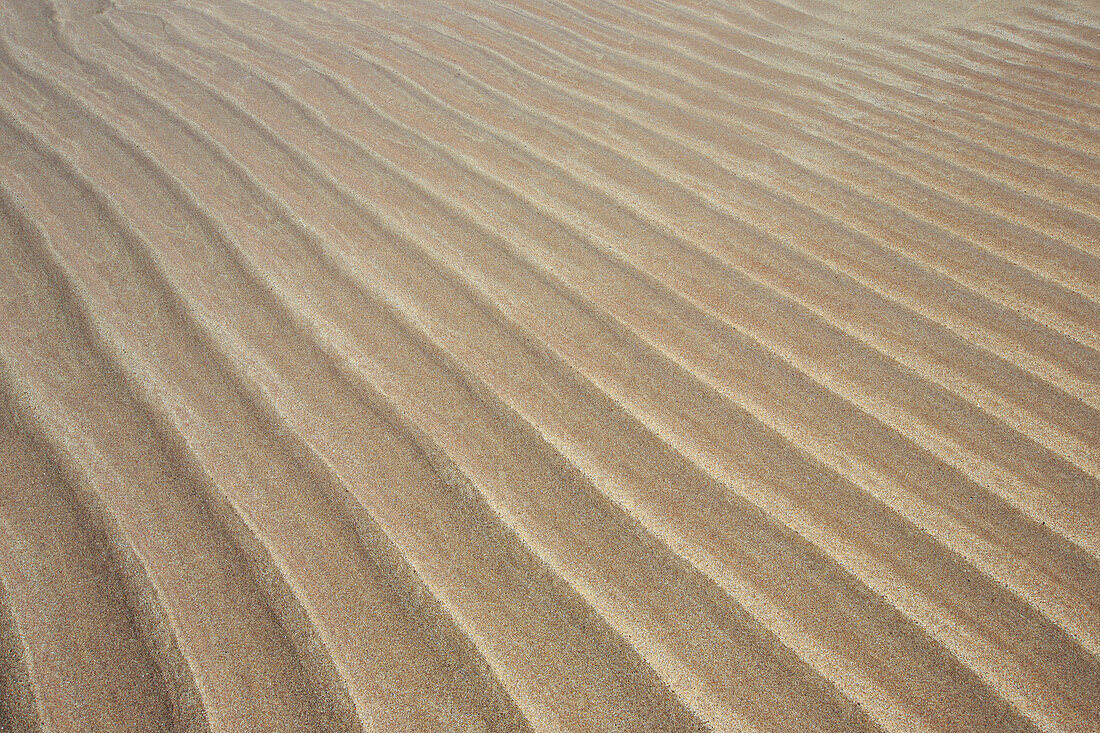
[{"x": 554, "y": 366}]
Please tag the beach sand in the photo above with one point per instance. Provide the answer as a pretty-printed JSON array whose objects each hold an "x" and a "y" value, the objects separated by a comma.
[{"x": 549, "y": 365}]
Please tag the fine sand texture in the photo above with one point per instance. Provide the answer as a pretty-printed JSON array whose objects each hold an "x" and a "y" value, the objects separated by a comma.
[{"x": 469, "y": 366}]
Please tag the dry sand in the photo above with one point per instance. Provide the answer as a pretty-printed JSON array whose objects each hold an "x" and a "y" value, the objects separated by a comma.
[{"x": 531, "y": 365}]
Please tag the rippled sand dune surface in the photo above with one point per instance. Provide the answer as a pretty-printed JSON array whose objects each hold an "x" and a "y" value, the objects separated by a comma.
[{"x": 549, "y": 365}]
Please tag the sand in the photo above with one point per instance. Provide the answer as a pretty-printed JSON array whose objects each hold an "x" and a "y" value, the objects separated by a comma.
[{"x": 531, "y": 365}]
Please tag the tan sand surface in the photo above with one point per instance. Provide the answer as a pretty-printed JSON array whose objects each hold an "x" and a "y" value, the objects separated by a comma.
[{"x": 549, "y": 365}]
